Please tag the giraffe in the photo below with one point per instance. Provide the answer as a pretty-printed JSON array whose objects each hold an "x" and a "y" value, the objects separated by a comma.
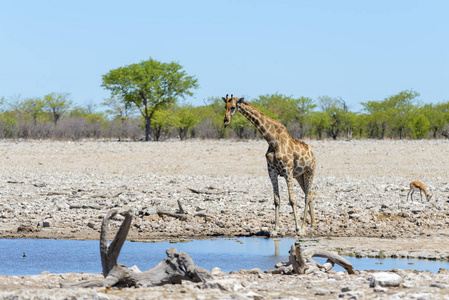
[{"x": 286, "y": 157}]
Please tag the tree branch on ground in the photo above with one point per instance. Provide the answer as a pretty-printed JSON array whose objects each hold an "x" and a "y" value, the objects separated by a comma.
[{"x": 182, "y": 214}]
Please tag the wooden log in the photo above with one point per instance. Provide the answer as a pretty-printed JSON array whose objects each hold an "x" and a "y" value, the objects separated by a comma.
[
  {"x": 334, "y": 257},
  {"x": 184, "y": 215},
  {"x": 173, "y": 269},
  {"x": 109, "y": 252},
  {"x": 162, "y": 213},
  {"x": 297, "y": 260},
  {"x": 302, "y": 262},
  {"x": 181, "y": 209}
]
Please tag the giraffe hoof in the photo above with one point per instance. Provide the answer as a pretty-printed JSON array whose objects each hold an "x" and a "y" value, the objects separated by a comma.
[
  {"x": 300, "y": 232},
  {"x": 311, "y": 232}
]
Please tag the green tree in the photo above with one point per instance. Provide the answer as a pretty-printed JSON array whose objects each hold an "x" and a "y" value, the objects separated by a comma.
[
  {"x": 150, "y": 85},
  {"x": 336, "y": 115},
  {"x": 401, "y": 109},
  {"x": 163, "y": 121},
  {"x": 34, "y": 107},
  {"x": 121, "y": 113},
  {"x": 57, "y": 104},
  {"x": 339, "y": 117},
  {"x": 2, "y": 104},
  {"x": 88, "y": 113},
  {"x": 278, "y": 106},
  {"x": 8, "y": 125},
  {"x": 394, "y": 113},
  {"x": 320, "y": 123},
  {"x": 360, "y": 124},
  {"x": 304, "y": 108},
  {"x": 348, "y": 119},
  {"x": 376, "y": 118},
  {"x": 186, "y": 119},
  {"x": 118, "y": 108},
  {"x": 438, "y": 116},
  {"x": 420, "y": 125},
  {"x": 29, "y": 108},
  {"x": 211, "y": 116},
  {"x": 239, "y": 125},
  {"x": 286, "y": 109}
]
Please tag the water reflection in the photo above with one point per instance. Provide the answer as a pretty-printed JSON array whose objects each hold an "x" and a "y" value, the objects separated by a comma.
[
  {"x": 62, "y": 256},
  {"x": 276, "y": 246}
]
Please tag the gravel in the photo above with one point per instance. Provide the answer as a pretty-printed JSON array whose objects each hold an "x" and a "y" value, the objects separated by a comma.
[{"x": 51, "y": 189}]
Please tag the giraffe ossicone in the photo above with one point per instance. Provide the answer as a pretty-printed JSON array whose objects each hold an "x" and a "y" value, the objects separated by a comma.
[{"x": 286, "y": 157}]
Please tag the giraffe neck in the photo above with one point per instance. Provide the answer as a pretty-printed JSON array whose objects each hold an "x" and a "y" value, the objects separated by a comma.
[{"x": 265, "y": 125}]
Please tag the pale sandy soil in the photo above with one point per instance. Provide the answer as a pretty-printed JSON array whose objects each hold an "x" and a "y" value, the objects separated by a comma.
[{"x": 63, "y": 189}]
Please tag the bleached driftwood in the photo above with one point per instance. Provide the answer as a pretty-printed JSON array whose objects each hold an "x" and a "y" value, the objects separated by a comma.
[
  {"x": 302, "y": 262},
  {"x": 182, "y": 214},
  {"x": 176, "y": 267}
]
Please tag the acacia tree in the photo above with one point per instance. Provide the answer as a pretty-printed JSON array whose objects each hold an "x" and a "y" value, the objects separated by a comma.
[
  {"x": 28, "y": 108},
  {"x": 320, "y": 122},
  {"x": 239, "y": 124},
  {"x": 162, "y": 123},
  {"x": 336, "y": 111},
  {"x": 150, "y": 85},
  {"x": 279, "y": 106},
  {"x": 2, "y": 103},
  {"x": 376, "y": 119},
  {"x": 118, "y": 108},
  {"x": 33, "y": 107},
  {"x": 211, "y": 119},
  {"x": 56, "y": 105},
  {"x": 401, "y": 108},
  {"x": 291, "y": 112},
  {"x": 304, "y": 108},
  {"x": 438, "y": 116},
  {"x": 186, "y": 119},
  {"x": 420, "y": 125}
]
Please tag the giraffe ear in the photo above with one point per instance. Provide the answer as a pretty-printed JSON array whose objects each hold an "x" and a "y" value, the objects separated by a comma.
[
  {"x": 240, "y": 100},
  {"x": 224, "y": 99}
]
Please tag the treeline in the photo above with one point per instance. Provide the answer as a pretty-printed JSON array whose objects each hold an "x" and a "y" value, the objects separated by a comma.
[{"x": 54, "y": 116}]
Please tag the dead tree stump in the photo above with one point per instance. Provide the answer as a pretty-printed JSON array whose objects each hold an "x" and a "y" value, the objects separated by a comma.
[
  {"x": 176, "y": 267},
  {"x": 302, "y": 262}
]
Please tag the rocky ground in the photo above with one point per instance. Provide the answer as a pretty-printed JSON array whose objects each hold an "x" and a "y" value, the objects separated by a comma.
[{"x": 63, "y": 190}]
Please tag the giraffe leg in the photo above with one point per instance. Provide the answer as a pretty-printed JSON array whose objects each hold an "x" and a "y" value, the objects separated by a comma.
[
  {"x": 300, "y": 180},
  {"x": 274, "y": 181},
  {"x": 292, "y": 200},
  {"x": 312, "y": 214},
  {"x": 308, "y": 202},
  {"x": 308, "y": 198}
]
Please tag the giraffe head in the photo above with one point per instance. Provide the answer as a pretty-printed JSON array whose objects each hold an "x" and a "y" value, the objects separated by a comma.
[{"x": 232, "y": 105}]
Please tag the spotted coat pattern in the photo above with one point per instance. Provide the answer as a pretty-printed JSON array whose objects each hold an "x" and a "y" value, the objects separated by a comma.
[{"x": 286, "y": 157}]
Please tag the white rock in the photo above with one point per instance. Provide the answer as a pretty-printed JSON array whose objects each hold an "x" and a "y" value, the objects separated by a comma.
[
  {"x": 385, "y": 279},
  {"x": 216, "y": 271},
  {"x": 100, "y": 296},
  {"x": 224, "y": 285},
  {"x": 135, "y": 269}
]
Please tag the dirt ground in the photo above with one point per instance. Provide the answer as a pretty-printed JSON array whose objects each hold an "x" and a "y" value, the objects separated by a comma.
[{"x": 63, "y": 189}]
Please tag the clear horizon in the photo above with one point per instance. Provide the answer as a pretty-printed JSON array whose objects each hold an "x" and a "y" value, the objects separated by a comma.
[{"x": 357, "y": 51}]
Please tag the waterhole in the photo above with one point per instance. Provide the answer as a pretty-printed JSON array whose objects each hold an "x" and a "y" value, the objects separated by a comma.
[{"x": 33, "y": 256}]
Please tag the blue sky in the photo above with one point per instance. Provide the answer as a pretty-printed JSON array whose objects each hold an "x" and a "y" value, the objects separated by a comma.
[{"x": 356, "y": 50}]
